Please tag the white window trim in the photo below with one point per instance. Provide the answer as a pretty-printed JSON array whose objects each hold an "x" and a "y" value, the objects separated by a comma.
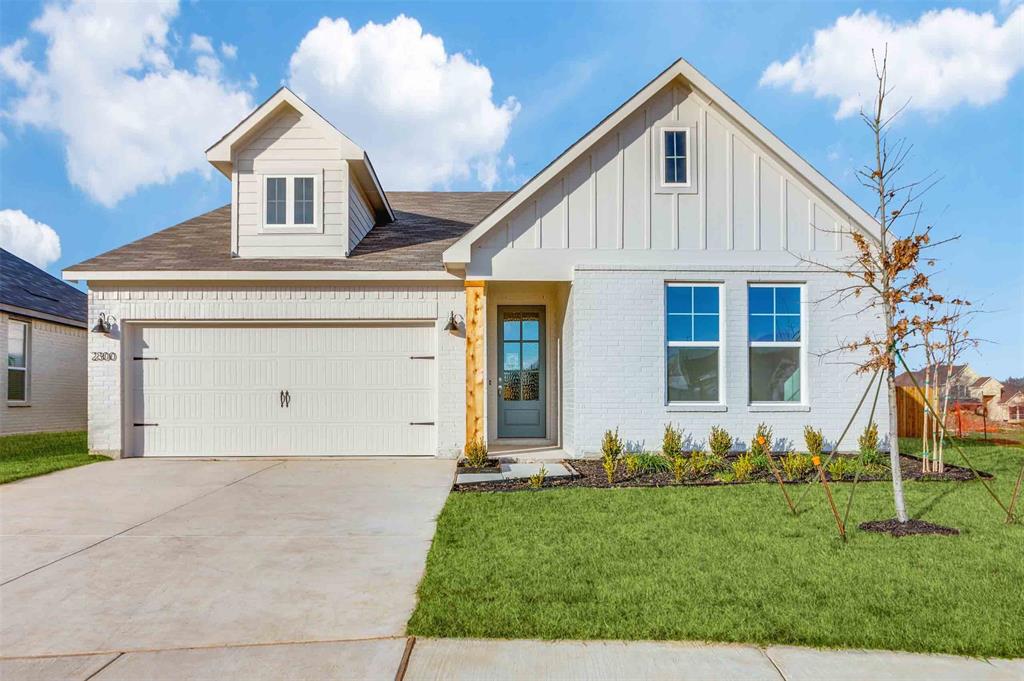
[
  {"x": 687, "y": 131},
  {"x": 27, "y": 368},
  {"x": 804, "y": 403},
  {"x": 289, "y": 227},
  {"x": 706, "y": 405}
]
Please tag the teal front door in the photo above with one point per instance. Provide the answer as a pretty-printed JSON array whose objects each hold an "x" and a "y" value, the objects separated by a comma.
[{"x": 521, "y": 398}]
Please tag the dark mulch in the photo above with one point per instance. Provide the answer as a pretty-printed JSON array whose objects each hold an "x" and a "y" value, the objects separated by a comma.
[
  {"x": 898, "y": 529},
  {"x": 591, "y": 474}
]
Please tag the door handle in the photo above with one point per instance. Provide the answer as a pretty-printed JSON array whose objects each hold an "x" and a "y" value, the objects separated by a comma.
[
  {"x": 287, "y": 399},
  {"x": 280, "y": 396}
]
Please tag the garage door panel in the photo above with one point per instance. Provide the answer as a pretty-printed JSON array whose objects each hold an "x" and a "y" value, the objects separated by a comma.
[{"x": 354, "y": 390}]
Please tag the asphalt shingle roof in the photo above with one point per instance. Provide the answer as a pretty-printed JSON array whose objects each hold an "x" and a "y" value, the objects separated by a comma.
[
  {"x": 426, "y": 223},
  {"x": 24, "y": 285}
]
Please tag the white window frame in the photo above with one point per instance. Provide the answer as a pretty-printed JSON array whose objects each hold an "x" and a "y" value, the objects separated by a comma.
[
  {"x": 781, "y": 405},
  {"x": 27, "y": 368},
  {"x": 289, "y": 226},
  {"x": 719, "y": 344},
  {"x": 687, "y": 132}
]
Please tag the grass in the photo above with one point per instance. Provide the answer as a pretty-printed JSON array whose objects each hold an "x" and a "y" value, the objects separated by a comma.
[
  {"x": 730, "y": 564},
  {"x": 25, "y": 456}
]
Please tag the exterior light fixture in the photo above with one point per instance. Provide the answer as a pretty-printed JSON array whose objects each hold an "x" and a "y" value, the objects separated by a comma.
[
  {"x": 453, "y": 322},
  {"x": 104, "y": 324}
]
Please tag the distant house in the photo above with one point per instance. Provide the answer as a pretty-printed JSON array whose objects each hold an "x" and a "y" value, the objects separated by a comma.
[
  {"x": 43, "y": 334},
  {"x": 974, "y": 391}
]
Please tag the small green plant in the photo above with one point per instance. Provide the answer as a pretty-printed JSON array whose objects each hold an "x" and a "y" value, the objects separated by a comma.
[
  {"x": 537, "y": 479},
  {"x": 725, "y": 476},
  {"x": 719, "y": 442},
  {"x": 702, "y": 462},
  {"x": 868, "y": 445},
  {"x": 672, "y": 450},
  {"x": 761, "y": 443},
  {"x": 611, "y": 452},
  {"x": 841, "y": 467},
  {"x": 743, "y": 467},
  {"x": 796, "y": 466},
  {"x": 815, "y": 441},
  {"x": 476, "y": 452},
  {"x": 760, "y": 461},
  {"x": 648, "y": 463}
]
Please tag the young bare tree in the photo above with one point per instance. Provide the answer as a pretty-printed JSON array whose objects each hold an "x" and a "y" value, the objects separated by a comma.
[
  {"x": 958, "y": 341},
  {"x": 889, "y": 270}
]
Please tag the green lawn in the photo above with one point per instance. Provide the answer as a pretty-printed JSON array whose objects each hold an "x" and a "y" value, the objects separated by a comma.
[
  {"x": 730, "y": 564},
  {"x": 23, "y": 456}
]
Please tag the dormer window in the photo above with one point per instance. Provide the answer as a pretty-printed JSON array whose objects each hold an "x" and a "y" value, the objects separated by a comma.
[
  {"x": 675, "y": 153},
  {"x": 290, "y": 201}
]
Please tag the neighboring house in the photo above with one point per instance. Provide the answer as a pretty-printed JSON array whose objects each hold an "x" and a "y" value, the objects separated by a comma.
[
  {"x": 972, "y": 391},
  {"x": 43, "y": 336},
  {"x": 654, "y": 272}
]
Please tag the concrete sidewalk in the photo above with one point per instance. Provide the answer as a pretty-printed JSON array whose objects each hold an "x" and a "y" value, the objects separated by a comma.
[{"x": 455, "y": 659}]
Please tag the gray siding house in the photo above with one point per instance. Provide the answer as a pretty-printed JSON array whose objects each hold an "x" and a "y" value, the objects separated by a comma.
[
  {"x": 43, "y": 337},
  {"x": 657, "y": 271}
]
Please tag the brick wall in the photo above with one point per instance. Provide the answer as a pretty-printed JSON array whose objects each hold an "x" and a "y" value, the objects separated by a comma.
[
  {"x": 618, "y": 344},
  {"x": 131, "y": 304},
  {"x": 57, "y": 392}
]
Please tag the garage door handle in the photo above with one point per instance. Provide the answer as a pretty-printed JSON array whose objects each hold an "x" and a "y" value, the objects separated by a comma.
[
  {"x": 280, "y": 396},
  {"x": 421, "y": 423},
  {"x": 287, "y": 399}
]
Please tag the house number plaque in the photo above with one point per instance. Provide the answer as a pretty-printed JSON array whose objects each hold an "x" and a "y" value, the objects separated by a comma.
[{"x": 104, "y": 356}]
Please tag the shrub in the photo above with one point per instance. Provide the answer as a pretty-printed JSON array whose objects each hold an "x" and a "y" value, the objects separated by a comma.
[
  {"x": 672, "y": 450},
  {"x": 868, "y": 445},
  {"x": 611, "y": 452},
  {"x": 537, "y": 479},
  {"x": 796, "y": 466},
  {"x": 815, "y": 441},
  {"x": 761, "y": 443},
  {"x": 841, "y": 467},
  {"x": 719, "y": 442},
  {"x": 725, "y": 476},
  {"x": 476, "y": 452},
  {"x": 702, "y": 463},
  {"x": 743, "y": 467},
  {"x": 646, "y": 463}
]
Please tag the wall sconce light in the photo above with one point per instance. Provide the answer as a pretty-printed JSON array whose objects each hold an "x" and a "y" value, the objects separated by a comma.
[
  {"x": 104, "y": 324},
  {"x": 453, "y": 322}
]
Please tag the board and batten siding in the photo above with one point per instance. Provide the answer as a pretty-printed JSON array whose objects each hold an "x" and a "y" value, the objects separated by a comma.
[
  {"x": 289, "y": 145},
  {"x": 607, "y": 207}
]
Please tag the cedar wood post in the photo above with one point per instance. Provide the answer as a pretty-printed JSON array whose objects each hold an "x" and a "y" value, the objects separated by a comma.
[{"x": 476, "y": 296}]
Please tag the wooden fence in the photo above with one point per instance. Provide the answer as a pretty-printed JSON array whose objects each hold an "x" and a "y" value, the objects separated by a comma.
[{"x": 910, "y": 410}]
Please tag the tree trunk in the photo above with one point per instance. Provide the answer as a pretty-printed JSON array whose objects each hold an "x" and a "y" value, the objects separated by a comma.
[{"x": 894, "y": 451}]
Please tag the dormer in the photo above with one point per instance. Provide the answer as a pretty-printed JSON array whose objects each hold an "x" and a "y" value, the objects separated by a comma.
[{"x": 299, "y": 187}]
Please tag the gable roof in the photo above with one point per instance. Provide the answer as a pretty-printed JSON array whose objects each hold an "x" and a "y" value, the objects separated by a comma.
[
  {"x": 425, "y": 224},
  {"x": 919, "y": 375},
  {"x": 220, "y": 152},
  {"x": 25, "y": 289},
  {"x": 460, "y": 251}
]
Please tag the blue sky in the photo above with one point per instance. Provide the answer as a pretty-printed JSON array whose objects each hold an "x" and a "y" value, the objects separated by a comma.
[{"x": 556, "y": 70}]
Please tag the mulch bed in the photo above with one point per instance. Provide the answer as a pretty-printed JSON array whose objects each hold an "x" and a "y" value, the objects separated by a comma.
[
  {"x": 590, "y": 473},
  {"x": 898, "y": 529}
]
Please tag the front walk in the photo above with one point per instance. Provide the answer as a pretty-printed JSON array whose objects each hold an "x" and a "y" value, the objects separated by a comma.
[{"x": 456, "y": 659}]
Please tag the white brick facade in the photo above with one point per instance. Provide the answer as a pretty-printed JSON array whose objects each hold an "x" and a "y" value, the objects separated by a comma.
[
  {"x": 138, "y": 303},
  {"x": 57, "y": 393},
  {"x": 618, "y": 369}
]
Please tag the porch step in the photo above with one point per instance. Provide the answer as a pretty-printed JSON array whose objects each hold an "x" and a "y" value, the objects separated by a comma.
[{"x": 515, "y": 471}]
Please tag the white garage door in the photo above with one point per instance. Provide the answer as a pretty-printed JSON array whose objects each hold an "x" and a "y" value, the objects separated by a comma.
[{"x": 282, "y": 390}]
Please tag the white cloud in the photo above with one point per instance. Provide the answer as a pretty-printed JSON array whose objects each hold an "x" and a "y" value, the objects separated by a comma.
[
  {"x": 28, "y": 239},
  {"x": 426, "y": 117},
  {"x": 201, "y": 43},
  {"x": 228, "y": 50},
  {"x": 943, "y": 59},
  {"x": 128, "y": 116}
]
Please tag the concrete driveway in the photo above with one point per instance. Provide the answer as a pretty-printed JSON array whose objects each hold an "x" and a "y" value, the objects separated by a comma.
[{"x": 155, "y": 555}]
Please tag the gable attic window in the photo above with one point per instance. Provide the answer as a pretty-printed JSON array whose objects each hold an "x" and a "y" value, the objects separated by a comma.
[
  {"x": 675, "y": 155},
  {"x": 291, "y": 201}
]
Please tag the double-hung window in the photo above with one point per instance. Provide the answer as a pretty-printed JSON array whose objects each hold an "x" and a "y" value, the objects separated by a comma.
[
  {"x": 17, "y": 360},
  {"x": 693, "y": 342},
  {"x": 776, "y": 352},
  {"x": 290, "y": 201}
]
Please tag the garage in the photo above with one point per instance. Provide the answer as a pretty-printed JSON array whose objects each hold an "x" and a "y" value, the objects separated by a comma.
[{"x": 282, "y": 390}]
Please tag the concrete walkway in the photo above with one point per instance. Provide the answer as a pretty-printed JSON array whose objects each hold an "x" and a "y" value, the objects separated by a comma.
[{"x": 455, "y": 660}]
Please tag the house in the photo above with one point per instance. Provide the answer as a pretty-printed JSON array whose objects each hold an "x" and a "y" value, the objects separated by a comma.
[
  {"x": 43, "y": 336},
  {"x": 1012, "y": 400},
  {"x": 656, "y": 271},
  {"x": 973, "y": 391}
]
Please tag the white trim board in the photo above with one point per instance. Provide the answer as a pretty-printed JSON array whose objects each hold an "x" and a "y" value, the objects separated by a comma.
[{"x": 293, "y": 275}]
